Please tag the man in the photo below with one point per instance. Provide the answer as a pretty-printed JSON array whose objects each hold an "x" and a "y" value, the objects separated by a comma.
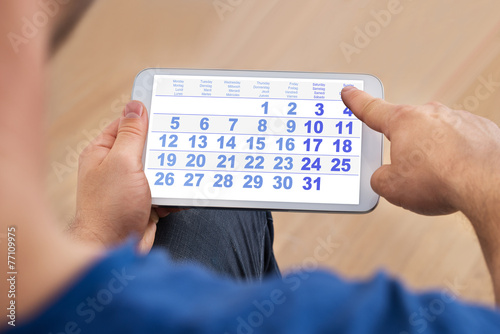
[{"x": 76, "y": 284}]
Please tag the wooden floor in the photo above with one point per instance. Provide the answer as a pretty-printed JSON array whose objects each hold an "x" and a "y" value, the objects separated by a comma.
[{"x": 424, "y": 50}]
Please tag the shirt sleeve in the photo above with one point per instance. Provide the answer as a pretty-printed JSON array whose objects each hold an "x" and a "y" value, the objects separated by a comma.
[
  {"x": 129, "y": 294},
  {"x": 305, "y": 302}
]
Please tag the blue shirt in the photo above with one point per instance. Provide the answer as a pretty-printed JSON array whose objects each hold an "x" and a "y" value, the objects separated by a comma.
[{"x": 127, "y": 293}]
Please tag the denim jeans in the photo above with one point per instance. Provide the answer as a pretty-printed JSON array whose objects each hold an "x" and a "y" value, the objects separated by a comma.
[{"x": 234, "y": 243}]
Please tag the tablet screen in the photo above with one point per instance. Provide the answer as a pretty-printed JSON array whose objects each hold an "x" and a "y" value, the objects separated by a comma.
[{"x": 253, "y": 139}]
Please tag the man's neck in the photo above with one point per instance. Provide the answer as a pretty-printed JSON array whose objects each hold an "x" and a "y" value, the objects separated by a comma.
[{"x": 45, "y": 261}]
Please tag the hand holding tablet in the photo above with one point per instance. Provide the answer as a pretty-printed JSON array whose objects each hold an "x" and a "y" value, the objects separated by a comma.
[{"x": 261, "y": 140}]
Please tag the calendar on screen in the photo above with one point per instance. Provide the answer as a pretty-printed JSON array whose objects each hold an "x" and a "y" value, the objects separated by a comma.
[{"x": 223, "y": 139}]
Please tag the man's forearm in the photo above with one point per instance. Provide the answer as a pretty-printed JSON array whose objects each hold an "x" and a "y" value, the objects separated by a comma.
[{"x": 483, "y": 211}]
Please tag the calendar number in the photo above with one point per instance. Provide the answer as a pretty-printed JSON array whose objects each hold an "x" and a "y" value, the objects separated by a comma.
[
  {"x": 286, "y": 163},
  {"x": 260, "y": 143},
  {"x": 262, "y": 125},
  {"x": 293, "y": 107},
  {"x": 163, "y": 179},
  {"x": 289, "y": 144},
  {"x": 340, "y": 127},
  {"x": 222, "y": 181},
  {"x": 309, "y": 164},
  {"x": 266, "y": 107},
  {"x": 321, "y": 109},
  {"x": 191, "y": 177},
  {"x": 310, "y": 183},
  {"x": 201, "y": 140},
  {"x": 291, "y": 126},
  {"x": 173, "y": 141},
  {"x": 317, "y": 127},
  {"x": 253, "y": 182},
  {"x": 344, "y": 163},
  {"x": 223, "y": 160},
  {"x": 315, "y": 142},
  {"x": 259, "y": 162},
  {"x": 231, "y": 142},
  {"x": 346, "y": 145},
  {"x": 347, "y": 111},
  {"x": 175, "y": 124},
  {"x": 204, "y": 125},
  {"x": 283, "y": 182},
  {"x": 171, "y": 159},
  {"x": 233, "y": 122},
  {"x": 196, "y": 161}
]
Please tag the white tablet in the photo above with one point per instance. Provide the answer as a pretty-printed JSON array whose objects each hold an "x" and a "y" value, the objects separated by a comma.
[{"x": 257, "y": 140}]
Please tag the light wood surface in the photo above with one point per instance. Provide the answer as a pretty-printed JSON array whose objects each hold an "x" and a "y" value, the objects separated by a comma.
[{"x": 428, "y": 50}]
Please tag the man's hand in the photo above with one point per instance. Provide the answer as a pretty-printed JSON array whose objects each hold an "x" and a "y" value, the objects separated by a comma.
[
  {"x": 442, "y": 160},
  {"x": 113, "y": 196}
]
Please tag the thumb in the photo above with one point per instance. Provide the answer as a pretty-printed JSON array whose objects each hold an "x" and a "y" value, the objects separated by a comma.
[
  {"x": 132, "y": 131},
  {"x": 399, "y": 189},
  {"x": 387, "y": 183}
]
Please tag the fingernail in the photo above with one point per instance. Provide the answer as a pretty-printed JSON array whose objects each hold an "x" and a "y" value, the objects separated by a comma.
[
  {"x": 133, "y": 109},
  {"x": 349, "y": 88}
]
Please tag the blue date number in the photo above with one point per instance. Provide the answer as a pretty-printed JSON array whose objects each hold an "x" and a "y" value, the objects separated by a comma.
[
  {"x": 279, "y": 163},
  {"x": 253, "y": 182},
  {"x": 191, "y": 177},
  {"x": 222, "y": 181},
  {"x": 251, "y": 160},
  {"x": 163, "y": 179}
]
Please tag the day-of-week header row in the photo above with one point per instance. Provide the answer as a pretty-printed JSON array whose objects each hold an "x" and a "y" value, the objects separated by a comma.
[{"x": 251, "y": 88}]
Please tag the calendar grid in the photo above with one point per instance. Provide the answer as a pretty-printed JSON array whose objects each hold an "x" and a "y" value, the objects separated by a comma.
[{"x": 248, "y": 139}]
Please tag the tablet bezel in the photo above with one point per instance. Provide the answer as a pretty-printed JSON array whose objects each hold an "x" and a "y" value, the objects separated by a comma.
[{"x": 372, "y": 141}]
